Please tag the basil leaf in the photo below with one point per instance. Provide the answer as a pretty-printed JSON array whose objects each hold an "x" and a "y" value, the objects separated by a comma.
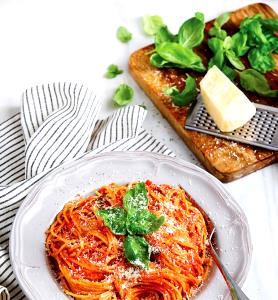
[
  {"x": 253, "y": 28},
  {"x": 234, "y": 60},
  {"x": 239, "y": 43},
  {"x": 123, "y": 95},
  {"x": 229, "y": 72},
  {"x": 218, "y": 32},
  {"x": 157, "y": 61},
  {"x": 183, "y": 57},
  {"x": 137, "y": 251},
  {"x": 164, "y": 35},
  {"x": 272, "y": 42},
  {"x": 218, "y": 23},
  {"x": 222, "y": 19},
  {"x": 261, "y": 61},
  {"x": 123, "y": 35},
  {"x": 143, "y": 222},
  {"x": 215, "y": 44},
  {"x": 227, "y": 43},
  {"x": 253, "y": 81},
  {"x": 113, "y": 71},
  {"x": 270, "y": 24},
  {"x": 114, "y": 219},
  {"x": 218, "y": 59},
  {"x": 152, "y": 24},
  {"x": 143, "y": 105},
  {"x": 191, "y": 33},
  {"x": 136, "y": 198},
  {"x": 200, "y": 16},
  {"x": 185, "y": 97}
]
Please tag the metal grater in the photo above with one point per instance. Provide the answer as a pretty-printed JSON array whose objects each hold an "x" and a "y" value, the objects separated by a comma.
[{"x": 261, "y": 130}]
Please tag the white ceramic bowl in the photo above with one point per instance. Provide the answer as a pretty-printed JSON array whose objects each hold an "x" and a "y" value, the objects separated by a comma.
[{"x": 27, "y": 248}]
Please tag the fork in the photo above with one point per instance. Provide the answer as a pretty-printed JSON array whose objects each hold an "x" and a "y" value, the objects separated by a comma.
[{"x": 235, "y": 290}]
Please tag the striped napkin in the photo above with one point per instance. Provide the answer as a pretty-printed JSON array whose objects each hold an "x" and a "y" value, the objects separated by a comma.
[{"x": 58, "y": 123}]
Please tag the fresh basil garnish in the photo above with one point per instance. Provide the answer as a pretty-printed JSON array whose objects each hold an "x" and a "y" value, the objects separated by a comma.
[
  {"x": 186, "y": 96},
  {"x": 253, "y": 81},
  {"x": 136, "y": 198},
  {"x": 113, "y": 71},
  {"x": 123, "y": 34},
  {"x": 151, "y": 24},
  {"x": 191, "y": 33},
  {"x": 137, "y": 251},
  {"x": 143, "y": 222},
  {"x": 114, "y": 219},
  {"x": 133, "y": 220},
  {"x": 123, "y": 95}
]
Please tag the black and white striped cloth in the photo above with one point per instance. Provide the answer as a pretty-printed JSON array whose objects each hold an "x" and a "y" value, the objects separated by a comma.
[{"x": 58, "y": 122}]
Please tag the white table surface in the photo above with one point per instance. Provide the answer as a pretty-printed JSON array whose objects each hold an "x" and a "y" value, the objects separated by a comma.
[{"x": 74, "y": 40}]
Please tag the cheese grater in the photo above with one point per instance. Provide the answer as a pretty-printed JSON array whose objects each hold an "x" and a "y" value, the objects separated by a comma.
[{"x": 261, "y": 130}]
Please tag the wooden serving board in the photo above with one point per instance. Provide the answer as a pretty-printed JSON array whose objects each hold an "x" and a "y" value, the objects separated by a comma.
[{"x": 224, "y": 159}]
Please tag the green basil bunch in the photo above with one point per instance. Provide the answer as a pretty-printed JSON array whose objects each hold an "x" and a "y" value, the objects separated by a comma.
[
  {"x": 177, "y": 50},
  {"x": 262, "y": 41}
]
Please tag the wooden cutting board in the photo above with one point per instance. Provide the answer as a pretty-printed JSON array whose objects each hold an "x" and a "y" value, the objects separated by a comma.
[{"x": 224, "y": 159}]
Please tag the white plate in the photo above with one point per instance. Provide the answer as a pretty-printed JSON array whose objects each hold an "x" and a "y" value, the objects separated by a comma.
[{"x": 27, "y": 249}]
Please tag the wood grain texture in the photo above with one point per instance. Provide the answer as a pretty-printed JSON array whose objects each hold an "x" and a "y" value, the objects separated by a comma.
[{"x": 224, "y": 159}]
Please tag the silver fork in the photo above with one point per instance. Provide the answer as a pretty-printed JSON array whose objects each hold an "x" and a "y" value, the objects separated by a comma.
[{"x": 235, "y": 290}]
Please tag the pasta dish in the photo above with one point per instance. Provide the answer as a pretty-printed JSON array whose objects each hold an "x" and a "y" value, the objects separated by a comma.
[{"x": 134, "y": 241}]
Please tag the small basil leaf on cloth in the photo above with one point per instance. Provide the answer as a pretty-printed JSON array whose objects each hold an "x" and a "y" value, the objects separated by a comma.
[
  {"x": 114, "y": 219},
  {"x": 123, "y": 34},
  {"x": 151, "y": 24},
  {"x": 113, "y": 71},
  {"x": 191, "y": 32},
  {"x": 253, "y": 81},
  {"x": 183, "y": 57},
  {"x": 136, "y": 198},
  {"x": 143, "y": 222},
  {"x": 123, "y": 95},
  {"x": 261, "y": 60},
  {"x": 188, "y": 95},
  {"x": 137, "y": 251}
]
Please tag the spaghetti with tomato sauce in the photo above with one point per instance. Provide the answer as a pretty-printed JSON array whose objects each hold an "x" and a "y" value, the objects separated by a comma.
[{"x": 89, "y": 261}]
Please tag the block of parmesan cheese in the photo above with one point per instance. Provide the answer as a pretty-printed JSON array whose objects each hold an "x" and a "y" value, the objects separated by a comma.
[{"x": 227, "y": 105}]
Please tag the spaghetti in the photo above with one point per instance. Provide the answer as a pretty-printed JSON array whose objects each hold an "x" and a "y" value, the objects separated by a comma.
[{"x": 89, "y": 261}]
